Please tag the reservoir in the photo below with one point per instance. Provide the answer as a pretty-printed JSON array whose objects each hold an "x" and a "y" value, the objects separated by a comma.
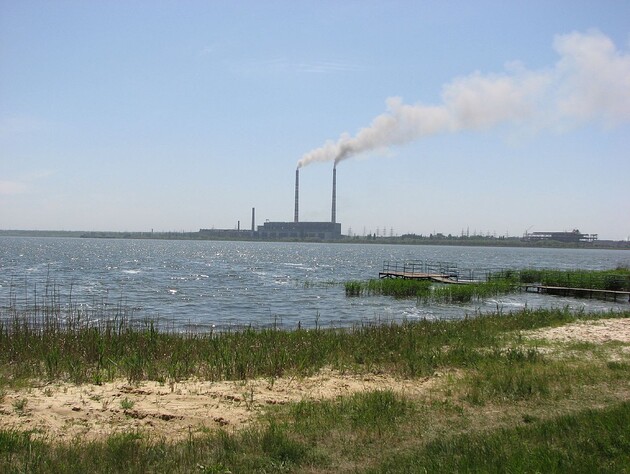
[{"x": 212, "y": 285}]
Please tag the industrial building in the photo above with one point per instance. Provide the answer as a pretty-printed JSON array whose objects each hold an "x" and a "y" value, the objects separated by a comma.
[
  {"x": 574, "y": 236},
  {"x": 295, "y": 230},
  {"x": 237, "y": 233},
  {"x": 300, "y": 230},
  {"x": 304, "y": 230}
]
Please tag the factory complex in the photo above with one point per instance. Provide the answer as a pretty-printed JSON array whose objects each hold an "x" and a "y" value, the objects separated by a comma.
[
  {"x": 331, "y": 230},
  {"x": 294, "y": 230}
]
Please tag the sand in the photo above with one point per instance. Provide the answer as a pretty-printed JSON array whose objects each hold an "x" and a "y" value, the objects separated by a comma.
[
  {"x": 598, "y": 331},
  {"x": 175, "y": 410},
  {"x": 65, "y": 411}
]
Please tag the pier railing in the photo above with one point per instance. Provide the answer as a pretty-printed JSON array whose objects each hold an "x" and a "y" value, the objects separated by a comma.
[
  {"x": 555, "y": 278},
  {"x": 421, "y": 267},
  {"x": 446, "y": 270}
]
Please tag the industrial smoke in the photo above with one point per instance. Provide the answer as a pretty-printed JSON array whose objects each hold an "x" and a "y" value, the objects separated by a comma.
[{"x": 590, "y": 82}]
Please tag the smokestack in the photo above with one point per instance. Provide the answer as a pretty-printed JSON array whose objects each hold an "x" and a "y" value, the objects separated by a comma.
[
  {"x": 297, "y": 196},
  {"x": 253, "y": 219},
  {"x": 334, "y": 196}
]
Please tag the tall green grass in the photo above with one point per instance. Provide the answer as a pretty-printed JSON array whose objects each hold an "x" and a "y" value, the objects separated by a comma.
[
  {"x": 372, "y": 412},
  {"x": 270, "y": 448},
  {"x": 66, "y": 346}
]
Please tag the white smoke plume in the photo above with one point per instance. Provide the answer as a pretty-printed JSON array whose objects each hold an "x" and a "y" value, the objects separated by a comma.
[{"x": 590, "y": 82}]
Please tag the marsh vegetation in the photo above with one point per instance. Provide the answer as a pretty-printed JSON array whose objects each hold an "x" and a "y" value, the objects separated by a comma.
[{"x": 496, "y": 283}]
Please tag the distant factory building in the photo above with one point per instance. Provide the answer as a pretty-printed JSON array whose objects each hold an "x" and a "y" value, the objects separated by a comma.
[
  {"x": 286, "y": 230},
  {"x": 300, "y": 230},
  {"x": 237, "y": 233},
  {"x": 567, "y": 237},
  {"x": 304, "y": 230}
]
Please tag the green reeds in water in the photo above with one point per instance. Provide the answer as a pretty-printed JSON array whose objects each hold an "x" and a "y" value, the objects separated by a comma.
[
  {"x": 498, "y": 283},
  {"x": 428, "y": 292},
  {"x": 396, "y": 287},
  {"x": 464, "y": 293},
  {"x": 616, "y": 280}
]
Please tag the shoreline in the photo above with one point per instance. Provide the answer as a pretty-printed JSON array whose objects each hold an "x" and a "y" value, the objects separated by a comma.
[{"x": 509, "y": 242}]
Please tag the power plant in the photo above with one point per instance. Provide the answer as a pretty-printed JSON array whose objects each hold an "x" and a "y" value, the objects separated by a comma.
[
  {"x": 288, "y": 230},
  {"x": 303, "y": 230}
]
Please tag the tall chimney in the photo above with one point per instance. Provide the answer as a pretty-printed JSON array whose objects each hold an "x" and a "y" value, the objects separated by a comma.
[
  {"x": 334, "y": 196},
  {"x": 297, "y": 196},
  {"x": 253, "y": 219}
]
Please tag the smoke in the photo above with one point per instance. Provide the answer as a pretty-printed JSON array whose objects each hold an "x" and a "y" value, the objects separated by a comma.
[{"x": 590, "y": 82}]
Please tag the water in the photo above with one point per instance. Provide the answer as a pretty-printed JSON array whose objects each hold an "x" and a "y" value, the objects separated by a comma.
[{"x": 200, "y": 285}]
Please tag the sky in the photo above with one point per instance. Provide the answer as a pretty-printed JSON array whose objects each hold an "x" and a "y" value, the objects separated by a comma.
[{"x": 488, "y": 117}]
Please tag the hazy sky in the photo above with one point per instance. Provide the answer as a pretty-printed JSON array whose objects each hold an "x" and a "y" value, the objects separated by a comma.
[{"x": 492, "y": 116}]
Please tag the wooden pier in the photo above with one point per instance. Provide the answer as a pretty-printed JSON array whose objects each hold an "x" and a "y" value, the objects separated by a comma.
[
  {"x": 417, "y": 276},
  {"x": 419, "y": 270},
  {"x": 442, "y": 272},
  {"x": 581, "y": 292}
]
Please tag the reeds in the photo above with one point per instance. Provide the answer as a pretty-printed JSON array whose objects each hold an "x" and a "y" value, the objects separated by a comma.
[
  {"x": 65, "y": 344},
  {"x": 498, "y": 283},
  {"x": 398, "y": 288},
  {"x": 427, "y": 292},
  {"x": 617, "y": 280}
]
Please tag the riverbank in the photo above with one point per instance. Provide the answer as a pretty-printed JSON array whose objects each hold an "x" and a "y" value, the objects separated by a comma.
[
  {"x": 439, "y": 239},
  {"x": 386, "y": 398}
]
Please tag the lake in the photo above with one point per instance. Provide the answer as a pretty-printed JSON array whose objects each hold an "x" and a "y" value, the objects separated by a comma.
[{"x": 202, "y": 285}]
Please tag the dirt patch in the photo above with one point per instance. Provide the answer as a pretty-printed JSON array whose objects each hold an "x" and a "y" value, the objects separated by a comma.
[
  {"x": 597, "y": 331},
  {"x": 64, "y": 411}
]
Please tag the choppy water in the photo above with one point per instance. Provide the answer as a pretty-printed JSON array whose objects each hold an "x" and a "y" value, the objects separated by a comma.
[{"x": 204, "y": 284}]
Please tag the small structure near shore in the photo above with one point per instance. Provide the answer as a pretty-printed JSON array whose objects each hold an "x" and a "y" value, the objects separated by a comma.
[
  {"x": 440, "y": 272},
  {"x": 579, "y": 292}
]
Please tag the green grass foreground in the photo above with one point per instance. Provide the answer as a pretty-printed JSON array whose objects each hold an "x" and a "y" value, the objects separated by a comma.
[
  {"x": 584, "y": 442},
  {"x": 502, "y": 403}
]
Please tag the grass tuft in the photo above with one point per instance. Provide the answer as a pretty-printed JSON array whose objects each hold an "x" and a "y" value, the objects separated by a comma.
[{"x": 590, "y": 441}]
